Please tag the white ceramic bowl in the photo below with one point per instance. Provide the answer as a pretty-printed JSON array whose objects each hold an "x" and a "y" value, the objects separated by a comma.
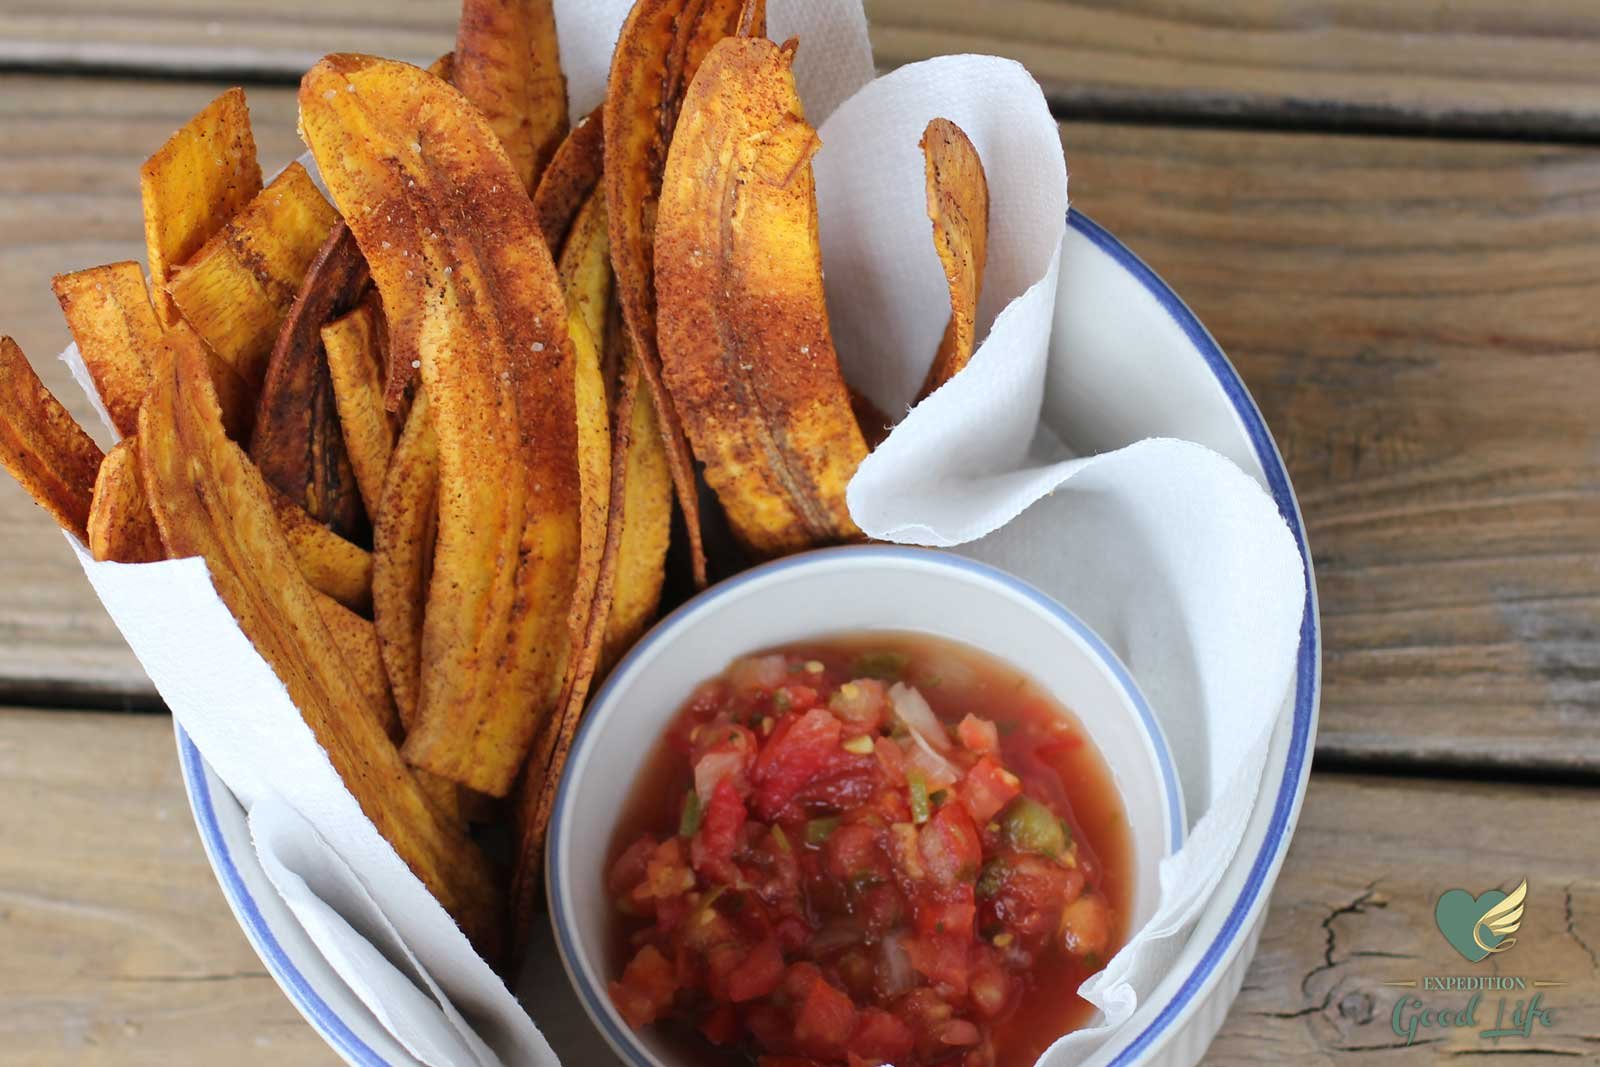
[
  {"x": 820, "y": 594},
  {"x": 1127, "y": 361}
]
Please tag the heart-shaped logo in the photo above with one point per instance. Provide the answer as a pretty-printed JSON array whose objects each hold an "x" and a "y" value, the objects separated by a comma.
[{"x": 1478, "y": 926}]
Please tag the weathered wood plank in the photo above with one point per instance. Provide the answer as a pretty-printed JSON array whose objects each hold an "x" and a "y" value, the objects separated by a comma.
[
  {"x": 1354, "y": 908},
  {"x": 69, "y": 197},
  {"x": 119, "y": 948},
  {"x": 1416, "y": 320},
  {"x": 1479, "y": 64}
]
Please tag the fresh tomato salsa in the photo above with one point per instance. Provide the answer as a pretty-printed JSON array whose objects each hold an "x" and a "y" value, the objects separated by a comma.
[{"x": 876, "y": 850}]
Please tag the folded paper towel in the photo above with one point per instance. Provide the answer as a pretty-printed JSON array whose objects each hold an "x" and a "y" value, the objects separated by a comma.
[{"x": 1176, "y": 556}]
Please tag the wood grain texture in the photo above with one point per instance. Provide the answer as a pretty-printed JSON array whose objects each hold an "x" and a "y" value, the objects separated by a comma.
[
  {"x": 1353, "y": 909},
  {"x": 1416, "y": 320},
  {"x": 1467, "y": 64},
  {"x": 119, "y": 948},
  {"x": 69, "y": 197}
]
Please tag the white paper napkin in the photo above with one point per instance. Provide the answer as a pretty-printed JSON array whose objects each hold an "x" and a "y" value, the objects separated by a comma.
[{"x": 1173, "y": 554}]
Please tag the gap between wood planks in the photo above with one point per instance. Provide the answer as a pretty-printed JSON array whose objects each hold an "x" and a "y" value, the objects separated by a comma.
[{"x": 1218, "y": 112}]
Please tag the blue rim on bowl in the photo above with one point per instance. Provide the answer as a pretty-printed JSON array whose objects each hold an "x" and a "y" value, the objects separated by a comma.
[
  {"x": 590, "y": 988},
  {"x": 1267, "y": 856}
]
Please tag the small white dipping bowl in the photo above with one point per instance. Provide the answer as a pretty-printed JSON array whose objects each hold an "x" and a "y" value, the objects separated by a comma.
[{"x": 837, "y": 591}]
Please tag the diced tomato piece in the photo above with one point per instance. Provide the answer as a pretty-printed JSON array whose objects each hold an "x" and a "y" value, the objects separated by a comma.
[
  {"x": 881, "y": 1036},
  {"x": 942, "y": 959},
  {"x": 849, "y": 781},
  {"x": 952, "y": 912},
  {"x": 863, "y": 702},
  {"x": 628, "y": 871},
  {"x": 714, "y": 843},
  {"x": 800, "y": 749},
  {"x": 852, "y": 851},
  {"x": 978, "y": 735},
  {"x": 722, "y": 749},
  {"x": 666, "y": 872},
  {"x": 795, "y": 699},
  {"x": 648, "y": 985},
  {"x": 987, "y": 788},
  {"x": 825, "y": 1020},
  {"x": 1033, "y": 891},
  {"x": 988, "y": 985},
  {"x": 892, "y": 758},
  {"x": 951, "y": 851},
  {"x": 958, "y": 1032},
  {"x": 721, "y": 1025},
  {"x": 758, "y": 973},
  {"x": 1086, "y": 926}
]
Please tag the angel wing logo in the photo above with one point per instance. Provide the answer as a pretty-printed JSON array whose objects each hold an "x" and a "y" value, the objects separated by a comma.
[{"x": 1480, "y": 926}]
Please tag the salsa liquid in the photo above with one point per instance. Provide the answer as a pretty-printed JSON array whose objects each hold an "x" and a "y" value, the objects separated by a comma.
[{"x": 1038, "y": 741}]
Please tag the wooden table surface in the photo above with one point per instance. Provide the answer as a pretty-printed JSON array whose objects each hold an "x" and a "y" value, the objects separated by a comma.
[{"x": 1389, "y": 216}]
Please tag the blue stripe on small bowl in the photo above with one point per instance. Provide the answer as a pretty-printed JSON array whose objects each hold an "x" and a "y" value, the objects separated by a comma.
[{"x": 339, "y": 1035}]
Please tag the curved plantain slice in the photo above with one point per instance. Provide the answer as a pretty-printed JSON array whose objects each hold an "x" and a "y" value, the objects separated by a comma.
[
  {"x": 658, "y": 51},
  {"x": 471, "y": 294},
  {"x": 745, "y": 346},
  {"x": 115, "y": 326},
  {"x": 508, "y": 62},
  {"x": 645, "y": 517},
  {"x": 211, "y": 502},
  {"x": 297, "y": 442},
  {"x": 204, "y": 175},
  {"x": 355, "y": 364},
  {"x": 42, "y": 446},
  {"x": 958, "y": 207},
  {"x": 403, "y": 532},
  {"x": 121, "y": 526},
  {"x": 339, "y": 568},
  {"x": 358, "y": 643},
  {"x": 237, "y": 289},
  {"x": 572, "y": 175}
]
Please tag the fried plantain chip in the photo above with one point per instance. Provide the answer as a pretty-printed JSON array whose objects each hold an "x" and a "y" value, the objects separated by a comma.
[
  {"x": 472, "y": 295},
  {"x": 297, "y": 441},
  {"x": 573, "y": 174},
  {"x": 508, "y": 63},
  {"x": 958, "y": 207},
  {"x": 211, "y": 502},
  {"x": 444, "y": 68},
  {"x": 236, "y": 290},
  {"x": 745, "y": 346},
  {"x": 237, "y": 398},
  {"x": 115, "y": 326},
  {"x": 195, "y": 183},
  {"x": 339, "y": 568},
  {"x": 658, "y": 51},
  {"x": 644, "y": 514},
  {"x": 403, "y": 532},
  {"x": 355, "y": 367},
  {"x": 121, "y": 526},
  {"x": 45, "y": 450},
  {"x": 358, "y": 642}
]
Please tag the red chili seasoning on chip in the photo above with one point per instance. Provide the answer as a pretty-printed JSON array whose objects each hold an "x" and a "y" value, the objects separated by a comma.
[{"x": 886, "y": 849}]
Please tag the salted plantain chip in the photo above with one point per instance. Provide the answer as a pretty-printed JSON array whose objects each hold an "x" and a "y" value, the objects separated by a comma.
[
  {"x": 958, "y": 207},
  {"x": 403, "y": 532},
  {"x": 195, "y": 183},
  {"x": 444, "y": 68},
  {"x": 745, "y": 346},
  {"x": 358, "y": 641},
  {"x": 121, "y": 526},
  {"x": 339, "y": 568},
  {"x": 471, "y": 294},
  {"x": 573, "y": 174},
  {"x": 236, "y": 290},
  {"x": 507, "y": 62},
  {"x": 211, "y": 502},
  {"x": 658, "y": 51},
  {"x": 115, "y": 326},
  {"x": 297, "y": 441},
  {"x": 355, "y": 365},
  {"x": 45, "y": 450}
]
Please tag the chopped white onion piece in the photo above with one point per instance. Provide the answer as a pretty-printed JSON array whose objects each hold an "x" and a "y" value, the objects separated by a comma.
[{"x": 913, "y": 710}]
